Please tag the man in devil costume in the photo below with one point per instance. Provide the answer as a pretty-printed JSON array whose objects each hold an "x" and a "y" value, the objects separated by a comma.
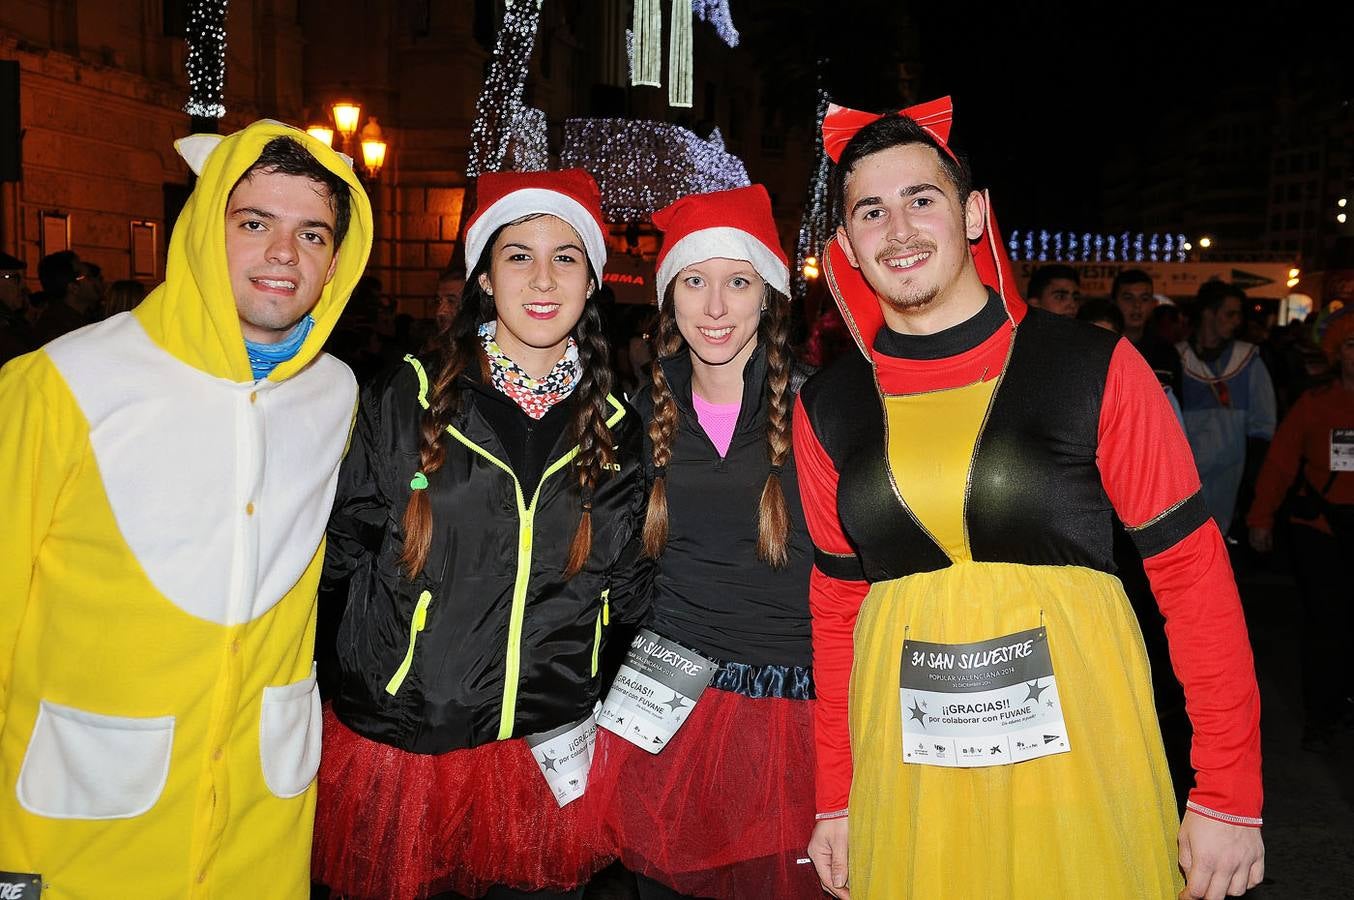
[{"x": 985, "y": 720}]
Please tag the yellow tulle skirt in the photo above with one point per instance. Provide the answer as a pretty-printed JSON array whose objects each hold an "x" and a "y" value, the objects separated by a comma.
[{"x": 1098, "y": 821}]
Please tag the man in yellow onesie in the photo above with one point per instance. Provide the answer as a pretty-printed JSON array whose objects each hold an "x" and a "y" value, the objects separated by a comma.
[{"x": 167, "y": 478}]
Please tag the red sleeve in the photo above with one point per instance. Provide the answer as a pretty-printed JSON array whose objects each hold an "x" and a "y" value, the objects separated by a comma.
[
  {"x": 1148, "y": 473},
  {"x": 833, "y": 603},
  {"x": 1281, "y": 465}
]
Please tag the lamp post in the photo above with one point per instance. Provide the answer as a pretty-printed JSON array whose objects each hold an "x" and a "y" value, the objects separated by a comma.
[{"x": 347, "y": 115}]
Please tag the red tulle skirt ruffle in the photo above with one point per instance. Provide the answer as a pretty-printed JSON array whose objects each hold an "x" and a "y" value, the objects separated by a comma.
[
  {"x": 393, "y": 825},
  {"x": 726, "y": 810}
]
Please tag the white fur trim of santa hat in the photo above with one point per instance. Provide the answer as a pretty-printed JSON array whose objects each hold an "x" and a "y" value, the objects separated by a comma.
[
  {"x": 723, "y": 242},
  {"x": 531, "y": 201}
]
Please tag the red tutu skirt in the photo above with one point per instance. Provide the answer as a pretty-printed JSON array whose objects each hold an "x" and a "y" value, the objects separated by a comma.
[
  {"x": 726, "y": 809},
  {"x": 393, "y": 825}
]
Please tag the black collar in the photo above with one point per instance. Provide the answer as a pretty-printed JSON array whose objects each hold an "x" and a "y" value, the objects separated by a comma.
[
  {"x": 951, "y": 341},
  {"x": 677, "y": 369}
]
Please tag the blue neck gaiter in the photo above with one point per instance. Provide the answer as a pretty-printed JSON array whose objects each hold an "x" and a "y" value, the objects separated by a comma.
[{"x": 264, "y": 358}]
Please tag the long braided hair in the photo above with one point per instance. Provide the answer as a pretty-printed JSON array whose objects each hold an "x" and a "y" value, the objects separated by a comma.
[
  {"x": 773, "y": 515},
  {"x": 459, "y": 348}
]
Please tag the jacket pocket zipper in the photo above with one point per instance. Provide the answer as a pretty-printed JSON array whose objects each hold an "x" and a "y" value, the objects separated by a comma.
[
  {"x": 416, "y": 624},
  {"x": 603, "y": 618}
]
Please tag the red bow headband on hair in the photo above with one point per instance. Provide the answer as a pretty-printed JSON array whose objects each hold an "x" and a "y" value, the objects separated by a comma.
[
  {"x": 841, "y": 124},
  {"x": 855, "y": 298}
]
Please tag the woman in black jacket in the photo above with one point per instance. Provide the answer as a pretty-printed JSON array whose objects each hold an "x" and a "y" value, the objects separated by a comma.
[
  {"x": 489, "y": 518},
  {"x": 725, "y": 809}
]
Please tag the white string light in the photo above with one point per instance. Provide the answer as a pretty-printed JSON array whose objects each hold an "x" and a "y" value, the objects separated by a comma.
[
  {"x": 501, "y": 98},
  {"x": 680, "y": 76},
  {"x": 643, "y": 166},
  {"x": 529, "y": 148},
  {"x": 1072, "y": 247},
  {"x": 716, "y": 12},
  {"x": 206, "y": 59},
  {"x": 814, "y": 226}
]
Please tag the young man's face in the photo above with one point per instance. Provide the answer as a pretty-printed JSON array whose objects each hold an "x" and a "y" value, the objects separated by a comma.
[
  {"x": 1061, "y": 296},
  {"x": 279, "y": 250},
  {"x": 906, "y": 228},
  {"x": 1136, "y": 301},
  {"x": 1226, "y": 319}
]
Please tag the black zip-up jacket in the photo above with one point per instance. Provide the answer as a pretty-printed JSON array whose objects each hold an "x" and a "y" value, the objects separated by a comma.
[
  {"x": 712, "y": 593},
  {"x": 489, "y": 641}
]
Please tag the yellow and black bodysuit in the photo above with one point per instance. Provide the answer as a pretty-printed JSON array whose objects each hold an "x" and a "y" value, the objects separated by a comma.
[{"x": 960, "y": 487}]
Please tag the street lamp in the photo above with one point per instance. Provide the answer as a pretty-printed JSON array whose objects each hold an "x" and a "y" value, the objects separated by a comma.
[
  {"x": 346, "y": 116},
  {"x": 322, "y": 133},
  {"x": 373, "y": 148}
]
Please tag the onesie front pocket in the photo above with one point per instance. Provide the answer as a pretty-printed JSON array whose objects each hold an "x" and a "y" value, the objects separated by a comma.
[
  {"x": 83, "y": 765},
  {"x": 289, "y": 736}
]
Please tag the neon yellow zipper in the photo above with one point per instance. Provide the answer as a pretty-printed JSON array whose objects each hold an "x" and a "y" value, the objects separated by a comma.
[
  {"x": 525, "y": 514},
  {"x": 416, "y": 624},
  {"x": 603, "y": 618}
]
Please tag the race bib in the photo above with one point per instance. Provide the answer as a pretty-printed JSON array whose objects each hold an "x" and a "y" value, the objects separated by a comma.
[
  {"x": 565, "y": 757},
  {"x": 20, "y": 886},
  {"x": 989, "y": 703},
  {"x": 1342, "y": 450},
  {"x": 654, "y": 691}
]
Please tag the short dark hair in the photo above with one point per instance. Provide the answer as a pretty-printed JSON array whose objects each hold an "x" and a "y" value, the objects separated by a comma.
[
  {"x": 1102, "y": 309},
  {"x": 57, "y": 272},
  {"x": 895, "y": 131},
  {"x": 1046, "y": 275},
  {"x": 1212, "y": 294},
  {"x": 453, "y": 272},
  {"x": 1129, "y": 276},
  {"x": 287, "y": 156}
]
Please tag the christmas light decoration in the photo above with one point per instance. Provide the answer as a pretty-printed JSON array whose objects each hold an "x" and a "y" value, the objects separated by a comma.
[
  {"x": 529, "y": 149},
  {"x": 680, "y": 64},
  {"x": 206, "y": 59},
  {"x": 646, "y": 62},
  {"x": 813, "y": 228},
  {"x": 500, "y": 100},
  {"x": 716, "y": 12},
  {"x": 1086, "y": 247},
  {"x": 643, "y": 166}
]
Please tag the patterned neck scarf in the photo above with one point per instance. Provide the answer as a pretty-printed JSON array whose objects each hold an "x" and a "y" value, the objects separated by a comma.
[{"x": 535, "y": 396}]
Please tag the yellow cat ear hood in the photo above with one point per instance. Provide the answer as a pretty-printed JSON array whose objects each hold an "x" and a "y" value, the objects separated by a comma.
[{"x": 192, "y": 315}]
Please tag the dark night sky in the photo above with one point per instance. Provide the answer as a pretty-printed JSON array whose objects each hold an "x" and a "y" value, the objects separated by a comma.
[{"x": 1041, "y": 89}]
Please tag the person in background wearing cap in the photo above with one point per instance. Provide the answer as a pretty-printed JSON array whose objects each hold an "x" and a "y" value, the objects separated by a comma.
[
  {"x": 489, "y": 517},
  {"x": 1057, "y": 289},
  {"x": 959, "y": 474},
  {"x": 168, "y": 477},
  {"x": 725, "y": 809},
  {"x": 16, "y": 335},
  {"x": 1314, "y": 449}
]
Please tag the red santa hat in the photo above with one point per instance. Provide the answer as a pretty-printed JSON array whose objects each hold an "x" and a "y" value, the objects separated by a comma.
[
  {"x": 568, "y": 194},
  {"x": 735, "y": 224}
]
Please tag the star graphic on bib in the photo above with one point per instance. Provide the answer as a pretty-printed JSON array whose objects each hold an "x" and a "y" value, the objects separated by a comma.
[
  {"x": 548, "y": 762},
  {"x": 1034, "y": 690},
  {"x": 676, "y": 703},
  {"x": 917, "y": 712}
]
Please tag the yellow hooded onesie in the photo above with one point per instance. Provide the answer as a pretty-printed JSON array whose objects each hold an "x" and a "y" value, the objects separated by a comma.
[{"x": 161, "y": 541}]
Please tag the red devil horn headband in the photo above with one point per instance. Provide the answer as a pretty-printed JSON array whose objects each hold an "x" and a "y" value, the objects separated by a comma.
[{"x": 841, "y": 124}]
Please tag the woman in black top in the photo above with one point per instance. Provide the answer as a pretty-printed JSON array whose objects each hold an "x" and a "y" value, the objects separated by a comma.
[
  {"x": 725, "y": 809},
  {"x": 489, "y": 518}
]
